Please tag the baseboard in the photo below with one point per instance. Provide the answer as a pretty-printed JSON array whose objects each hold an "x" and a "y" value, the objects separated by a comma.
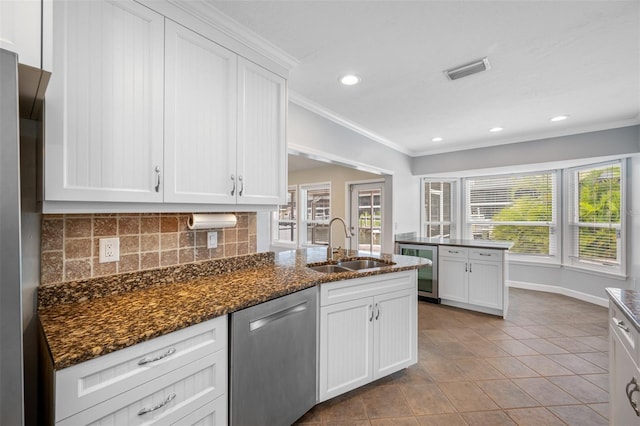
[{"x": 601, "y": 301}]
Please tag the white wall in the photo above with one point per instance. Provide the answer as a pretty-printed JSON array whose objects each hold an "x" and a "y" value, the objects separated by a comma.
[
  {"x": 513, "y": 157},
  {"x": 319, "y": 135}
]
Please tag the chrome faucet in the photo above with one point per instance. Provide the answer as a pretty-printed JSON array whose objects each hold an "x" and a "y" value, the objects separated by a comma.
[{"x": 347, "y": 234}]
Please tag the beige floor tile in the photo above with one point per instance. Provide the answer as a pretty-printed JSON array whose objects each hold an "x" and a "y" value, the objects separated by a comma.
[
  {"x": 467, "y": 396},
  {"x": 578, "y": 415},
  {"x": 544, "y": 366},
  {"x": 427, "y": 399},
  {"x": 488, "y": 418},
  {"x": 542, "y": 331},
  {"x": 414, "y": 375},
  {"x": 601, "y": 359},
  {"x": 598, "y": 343},
  {"x": 348, "y": 423},
  {"x": 576, "y": 364},
  {"x": 520, "y": 333},
  {"x": 506, "y": 394},
  {"x": 515, "y": 347},
  {"x": 601, "y": 408},
  {"x": 485, "y": 349},
  {"x": 386, "y": 401},
  {"x": 478, "y": 369},
  {"x": 537, "y": 416},
  {"x": 581, "y": 389},
  {"x": 442, "y": 420},
  {"x": 443, "y": 370},
  {"x": 397, "y": 421},
  {"x": 600, "y": 380},
  {"x": 511, "y": 367},
  {"x": 571, "y": 344},
  {"x": 543, "y": 346},
  {"x": 545, "y": 392},
  {"x": 344, "y": 409}
]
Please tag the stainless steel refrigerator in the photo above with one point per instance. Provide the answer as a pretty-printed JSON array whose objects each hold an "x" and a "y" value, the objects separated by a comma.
[{"x": 19, "y": 238}]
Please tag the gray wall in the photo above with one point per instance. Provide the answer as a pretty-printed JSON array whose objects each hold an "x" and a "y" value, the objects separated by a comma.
[
  {"x": 620, "y": 141},
  {"x": 318, "y": 134}
]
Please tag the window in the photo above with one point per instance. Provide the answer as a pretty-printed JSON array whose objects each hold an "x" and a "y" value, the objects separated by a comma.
[
  {"x": 285, "y": 220},
  {"x": 595, "y": 222},
  {"x": 438, "y": 213},
  {"x": 516, "y": 208},
  {"x": 316, "y": 202}
]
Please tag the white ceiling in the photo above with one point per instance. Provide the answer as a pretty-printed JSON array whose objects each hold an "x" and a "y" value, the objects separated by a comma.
[{"x": 580, "y": 58}]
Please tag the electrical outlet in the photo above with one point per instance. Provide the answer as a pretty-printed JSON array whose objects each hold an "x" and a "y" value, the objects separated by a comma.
[
  {"x": 212, "y": 239},
  {"x": 109, "y": 250}
]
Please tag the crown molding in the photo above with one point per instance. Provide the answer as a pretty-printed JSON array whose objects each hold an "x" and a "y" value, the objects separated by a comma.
[
  {"x": 324, "y": 112},
  {"x": 208, "y": 13}
]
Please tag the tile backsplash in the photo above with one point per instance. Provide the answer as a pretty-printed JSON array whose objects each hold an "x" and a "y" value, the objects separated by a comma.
[{"x": 70, "y": 243}]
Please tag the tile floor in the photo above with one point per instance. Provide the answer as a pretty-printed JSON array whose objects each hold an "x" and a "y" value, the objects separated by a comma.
[{"x": 546, "y": 364}]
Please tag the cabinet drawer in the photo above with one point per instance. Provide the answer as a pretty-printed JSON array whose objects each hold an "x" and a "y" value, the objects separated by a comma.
[
  {"x": 164, "y": 400},
  {"x": 89, "y": 383},
  {"x": 342, "y": 291},
  {"x": 623, "y": 327},
  {"x": 452, "y": 251},
  {"x": 485, "y": 254}
]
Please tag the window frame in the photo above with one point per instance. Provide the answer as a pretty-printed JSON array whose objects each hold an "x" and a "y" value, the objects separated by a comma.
[
  {"x": 275, "y": 222},
  {"x": 303, "y": 221},
  {"x": 453, "y": 223},
  {"x": 555, "y": 226},
  {"x": 572, "y": 224}
]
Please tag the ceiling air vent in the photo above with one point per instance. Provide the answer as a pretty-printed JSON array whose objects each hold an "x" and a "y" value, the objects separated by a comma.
[{"x": 468, "y": 69}]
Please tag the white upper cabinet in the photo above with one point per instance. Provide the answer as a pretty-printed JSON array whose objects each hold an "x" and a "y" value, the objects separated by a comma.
[
  {"x": 200, "y": 118},
  {"x": 104, "y": 104},
  {"x": 261, "y": 135},
  {"x": 21, "y": 29}
]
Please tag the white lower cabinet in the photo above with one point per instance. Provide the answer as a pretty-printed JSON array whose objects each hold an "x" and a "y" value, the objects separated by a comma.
[
  {"x": 624, "y": 374},
  {"x": 473, "y": 278},
  {"x": 368, "y": 330},
  {"x": 179, "y": 378}
]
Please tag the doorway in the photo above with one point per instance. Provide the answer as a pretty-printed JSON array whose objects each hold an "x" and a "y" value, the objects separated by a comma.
[{"x": 366, "y": 216}]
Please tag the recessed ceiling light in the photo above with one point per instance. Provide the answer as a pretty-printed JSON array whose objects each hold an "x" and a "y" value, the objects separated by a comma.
[
  {"x": 496, "y": 129},
  {"x": 350, "y": 79},
  {"x": 436, "y": 140},
  {"x": 560, "y": 118}
]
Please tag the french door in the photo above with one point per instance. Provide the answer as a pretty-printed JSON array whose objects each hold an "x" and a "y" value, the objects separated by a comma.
[{"x": 366, "y": 216}]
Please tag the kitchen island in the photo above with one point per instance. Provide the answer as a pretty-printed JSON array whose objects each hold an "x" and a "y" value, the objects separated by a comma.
[{"x": 84, "y": 322}]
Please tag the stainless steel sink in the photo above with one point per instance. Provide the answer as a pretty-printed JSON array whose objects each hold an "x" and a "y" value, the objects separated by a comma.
[
  {"x": 363, "y": 264},
  {"x": 329, "y": 269},
  {"x": 350, "y": 265}
]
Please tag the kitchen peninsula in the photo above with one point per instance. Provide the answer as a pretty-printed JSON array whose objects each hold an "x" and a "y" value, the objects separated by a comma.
[
  {"x": 472, "y": 274},
  {"x": 108, "y": 339}
]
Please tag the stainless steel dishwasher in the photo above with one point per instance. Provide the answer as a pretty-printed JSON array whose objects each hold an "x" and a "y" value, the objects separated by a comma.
[{"x": 273, "y": 360}]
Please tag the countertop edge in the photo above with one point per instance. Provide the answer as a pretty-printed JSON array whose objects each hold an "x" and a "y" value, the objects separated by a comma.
[{"x": 616, "y": 295}]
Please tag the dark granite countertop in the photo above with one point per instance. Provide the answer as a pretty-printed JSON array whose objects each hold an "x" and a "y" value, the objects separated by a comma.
[
  {"x": 498, "y": 245},
  {"x": 628, "y": 301},
  {"x": 86, "y": 319}
]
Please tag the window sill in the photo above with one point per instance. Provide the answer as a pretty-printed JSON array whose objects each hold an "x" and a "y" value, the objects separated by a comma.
[{"x": 611, "y": 275}]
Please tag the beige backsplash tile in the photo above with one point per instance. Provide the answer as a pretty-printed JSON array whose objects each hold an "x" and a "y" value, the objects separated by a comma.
[{"x": 70, "y": 243}]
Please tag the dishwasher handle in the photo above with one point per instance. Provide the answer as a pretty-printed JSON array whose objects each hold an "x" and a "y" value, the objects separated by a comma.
[{"x": 261, "y": 322}]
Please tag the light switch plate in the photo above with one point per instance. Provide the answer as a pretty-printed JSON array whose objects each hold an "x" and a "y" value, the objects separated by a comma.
[
  {"x": 109, "y": 250},
  {"x": 212, "y": 239}
]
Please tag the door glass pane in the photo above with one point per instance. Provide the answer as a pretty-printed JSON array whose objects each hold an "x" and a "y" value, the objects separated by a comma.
[{"x": 369, "y": 220}]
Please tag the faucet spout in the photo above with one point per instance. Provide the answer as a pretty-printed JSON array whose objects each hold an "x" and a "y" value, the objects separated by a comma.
[{"x": 347, "y": 234}]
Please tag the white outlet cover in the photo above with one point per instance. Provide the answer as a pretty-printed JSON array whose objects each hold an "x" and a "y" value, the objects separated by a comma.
[
  {"x": 212, "y": 239},
  {"x": 109, "y": 250}
]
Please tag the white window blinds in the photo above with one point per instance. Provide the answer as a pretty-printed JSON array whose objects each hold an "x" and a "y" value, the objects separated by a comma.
[{"x": 516, "y": 208}]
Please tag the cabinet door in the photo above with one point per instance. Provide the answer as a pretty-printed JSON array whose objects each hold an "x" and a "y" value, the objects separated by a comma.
[
  {"x": 485, "y": 283},
  {"x": 453, "y": 276},
  {"x": 346, "y": 346},
  {"x": 622, "y": 371},
  {"x": 395, "y": 343},
  {"x": 21, "y": 29},
  {"x": 262, "y": 151},
  {"x": 104, "y": 108},
  {"x": 200, "y": 118}
]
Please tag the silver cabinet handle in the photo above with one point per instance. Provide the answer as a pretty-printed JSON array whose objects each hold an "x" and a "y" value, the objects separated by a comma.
[
  {"x": 485, "y": 254},
  {"x": 261, "y": 322},
  {"x": 371, "y": 310},
  {"x": 469, "y": 266},
  {"x": 241, "y": 185},
  {"x": 466, "y": 267},
  {"x": 170, "y": 398},
  {"x": 622, "y": 325},
  {"x": 233, "y": 179},
  {"x": 377, "y": 311},
  {"x": 147, "y": 360},
  {"x": 453, "y": 251},
  {"x": 632, "y": 387},
  {"x": 157, "y": 170}
]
